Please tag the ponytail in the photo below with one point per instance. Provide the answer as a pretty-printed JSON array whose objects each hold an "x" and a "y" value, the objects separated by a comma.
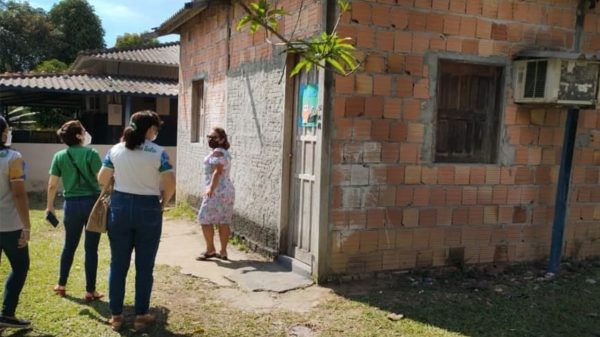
[
  {"x": 134, "y": 135},
  {"x": 3, "y": 127}
]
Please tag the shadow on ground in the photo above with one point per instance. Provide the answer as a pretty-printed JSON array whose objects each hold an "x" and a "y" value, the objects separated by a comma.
[{"x": 516, "y": 301}]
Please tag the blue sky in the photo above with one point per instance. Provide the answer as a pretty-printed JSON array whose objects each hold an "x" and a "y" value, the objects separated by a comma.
[{"x": 127, "y": 16}]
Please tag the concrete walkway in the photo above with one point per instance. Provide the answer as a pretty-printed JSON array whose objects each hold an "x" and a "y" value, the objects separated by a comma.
[{"x": 182, "y": 242}]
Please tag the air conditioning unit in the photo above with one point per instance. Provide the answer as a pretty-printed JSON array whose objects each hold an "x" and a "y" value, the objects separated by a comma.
[{"x": 556, "y": 81}]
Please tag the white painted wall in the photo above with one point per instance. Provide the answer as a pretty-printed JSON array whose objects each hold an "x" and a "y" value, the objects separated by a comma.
[{"x": 39, "y": 157}]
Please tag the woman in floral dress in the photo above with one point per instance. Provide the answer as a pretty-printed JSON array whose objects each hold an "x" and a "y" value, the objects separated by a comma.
[{"x": 217, "y": 202}]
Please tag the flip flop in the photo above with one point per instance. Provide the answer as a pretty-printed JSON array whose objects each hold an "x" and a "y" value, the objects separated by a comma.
[
  {"x": 206, "y": 256},
  {"x": 222, "y": 257}
]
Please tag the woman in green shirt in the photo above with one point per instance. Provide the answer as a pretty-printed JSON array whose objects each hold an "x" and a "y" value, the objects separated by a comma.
[{"x": 77, "y": 166}]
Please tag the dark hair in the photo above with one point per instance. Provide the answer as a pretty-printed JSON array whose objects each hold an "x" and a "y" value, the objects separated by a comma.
[
  {"x": 221, "y": 133},
  {"x": 3, "y": 127},
  {"x": 135, "y": 134},
  {"x": 68, "y": 132}
]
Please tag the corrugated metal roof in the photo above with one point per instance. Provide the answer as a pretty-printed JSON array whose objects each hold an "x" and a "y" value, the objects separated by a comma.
[
  {"x": 189, "y": 10},
  {"x": 167, "y": 54},
  {"x": 84, "y": 83}
]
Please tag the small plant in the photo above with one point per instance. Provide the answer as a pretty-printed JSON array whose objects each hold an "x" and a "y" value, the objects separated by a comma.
[
  {"x": 181, "y": 210},
  {"x": 239, "y": 243}
]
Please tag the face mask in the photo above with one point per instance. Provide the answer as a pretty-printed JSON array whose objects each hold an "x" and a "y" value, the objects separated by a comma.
[
  {"x": 8, "y": 141},
  {"x": 213, "y": 144},
  {"x": 87, "y": 140},
  {"x": 155, "y": 136}
]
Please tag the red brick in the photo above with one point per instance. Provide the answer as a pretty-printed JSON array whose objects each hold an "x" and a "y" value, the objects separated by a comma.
[
  {"x": 484, "y": 195},
  {"x": 474, "y": 7},
  {"x": 375, "y": 63},
  {"x": 381, "y": 15},
  {"x": 361, "y": 130},
  {"x": 458, "y": 6},
  {"x": 428, "y": 217},
  {"x": 484, "y": 29},
  {"x": 453, "y": 44},
  {"x": 499, "y": 32},
  {"x": 470, "y": 46},
  {"x": 375, "y": 218},
  {"x": 421, "y": 89},
  {"x": 390, "y": 152},
  {"x": 421, "y": 196},
  {"x": 365, "y": 38},
  {"x": 410, "y": 218},
  {"x": 392, "y": 108},
  {"x": 403, "y": 42},
  {"x": 344, "y": 84},
  {"x": 343, "y": 128},
  {"x": 409, "y": 153},
  {"x": 499, "y": 194},
  {"x": 412, "y": 175},
  {"x": 446, "y": 175},
  {"x": 438, "y": 196},
  {"x": 414, "y": 65},
  {"x": 396, "y": 63},
  {"x": 505, "y": 10},
  {"x": 420, "y": 43},
  {"x": 514, "y": 32},
  {"x": 435, "y": 23},
  {"x": 441, "y": 4},
  {"x": 490, "y": 8},
  {"x": 399, "y": 132},
  {"x": 452, "y": 25},
  {"x": 378, "y": 175},
  {"x": 492, "y": 175},
  {"x": 374, "y": 106},
  {"x": 404, "y": 86},
  {"x": 384, "y": 41},
  {"x": 355, "y": 106},
  {"x": 395, "y": 175},
  {"x": 399, "y": 18},
  {"x": 477, "y": 175},
  {"x": 468, "y": 26},
  {"x": 382, "y": 85},
  {"x": 523, "y": 176},
  {"x": 394, "y": 217},
  {"x": 453, "y": 196},
  {"x": 429, "y": 175},
  {"x": 476, "y": 215},
  {"x": 469, "y": 196},
  {"x": 417, "y": 21},
  {"x": 460, "y": 216},
  {"x": 369, "y": 241},
  {"x": 486, "y": 47},
  {"x": 461, "y": 175},
  {"x": 364, "y": 84},
  {"x": 361, "y": 12},
  {"x": 387, "y": 196},
  {"x": 437, "y": 43},
  {"x": 412, "y": 110},
  {"x": 380, "y": 129}
]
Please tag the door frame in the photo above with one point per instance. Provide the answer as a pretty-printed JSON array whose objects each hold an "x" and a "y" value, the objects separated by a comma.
[{"x": 321, "y": 202}]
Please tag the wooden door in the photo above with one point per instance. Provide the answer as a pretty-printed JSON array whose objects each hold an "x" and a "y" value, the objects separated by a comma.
[{"x": 306, "y": 139}]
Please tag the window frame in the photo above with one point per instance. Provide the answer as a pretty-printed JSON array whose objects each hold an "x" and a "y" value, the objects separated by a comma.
[{"x": 198, "y": 111}]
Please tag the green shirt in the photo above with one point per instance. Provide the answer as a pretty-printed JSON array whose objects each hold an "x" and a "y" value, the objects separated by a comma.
[{"x": 89, "y": 163}]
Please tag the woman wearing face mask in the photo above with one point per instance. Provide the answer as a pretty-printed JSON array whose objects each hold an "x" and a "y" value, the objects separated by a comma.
[
  {"x": 144, "y": 184},
  {"x": 77, "y": 166},
  {"x": 14, "y": 226},
  {"x": 217, "y": 203}
]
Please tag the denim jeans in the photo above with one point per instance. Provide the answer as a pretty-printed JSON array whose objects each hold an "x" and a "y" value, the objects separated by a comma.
[
  {"x": 77, "y": 210},
  {"x": 135, "y": 222},
  {"x": 19, "y": 262}
]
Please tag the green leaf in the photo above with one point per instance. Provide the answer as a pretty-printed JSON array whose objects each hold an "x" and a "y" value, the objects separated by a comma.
[{"x": 336, "y": 65}]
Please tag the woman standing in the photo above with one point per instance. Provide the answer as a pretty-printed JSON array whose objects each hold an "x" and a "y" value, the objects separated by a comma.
[
  {"x": 139, "y": 168},
  {"x": 14, "y": 226},
  {"x": 78, "y": 166},
  {"x": 217, "y": 203}
]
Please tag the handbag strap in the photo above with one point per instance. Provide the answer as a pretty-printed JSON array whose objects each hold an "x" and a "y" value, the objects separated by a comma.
[{"x": 79, "y": 171}]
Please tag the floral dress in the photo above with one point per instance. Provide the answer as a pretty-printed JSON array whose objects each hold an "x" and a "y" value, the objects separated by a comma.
[{"x": 218, "y": 209}]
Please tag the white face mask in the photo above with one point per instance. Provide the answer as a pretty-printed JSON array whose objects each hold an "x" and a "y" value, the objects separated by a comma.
[
  {"x": 8, "y": 141},
  {"x": 87, "y": 139},
  {"x": 154, "y": 137}
]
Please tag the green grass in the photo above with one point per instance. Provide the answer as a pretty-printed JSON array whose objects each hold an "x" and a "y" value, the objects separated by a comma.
[
  {"x": 461, "y": 304},
  {"x": 181, "y": 210}
]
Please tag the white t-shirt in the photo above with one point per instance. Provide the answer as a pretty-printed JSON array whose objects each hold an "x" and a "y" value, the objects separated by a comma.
[
  {"x": 138, "y": 171},
  {"x": 12, "y": 168}
]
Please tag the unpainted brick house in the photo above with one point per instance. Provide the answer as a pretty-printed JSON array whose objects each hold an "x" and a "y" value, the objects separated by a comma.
[{"x": 420, "y": 158}]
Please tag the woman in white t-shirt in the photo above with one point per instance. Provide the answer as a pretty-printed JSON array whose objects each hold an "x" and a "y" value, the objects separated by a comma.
[
  {"x": 139, "y": 168},
  {"x": 14, "y": 226}
]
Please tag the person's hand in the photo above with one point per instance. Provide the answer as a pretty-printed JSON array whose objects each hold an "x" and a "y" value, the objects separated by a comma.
[
  {"x": 50, "y": 210},
  {"x": 209, "y": 193},
  {"x": 24, "y": 239}
]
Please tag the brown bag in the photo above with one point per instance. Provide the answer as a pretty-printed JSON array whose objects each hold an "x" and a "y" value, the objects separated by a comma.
[{"x": 99, "y": 214}]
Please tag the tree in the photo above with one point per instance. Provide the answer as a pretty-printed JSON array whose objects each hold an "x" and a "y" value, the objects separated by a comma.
[
  {"x": 25, "y": 36},
  {"x": 51, "y": 66},
  {"x": 144, "y": 39},
  {"x": 77, "y": 28},
  {"x": 327, "y": 51}
]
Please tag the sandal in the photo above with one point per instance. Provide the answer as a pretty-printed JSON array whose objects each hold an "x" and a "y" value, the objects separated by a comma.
[
  {"x": 89, "y": 297},
  {"x": 141, "y": 322},
  {"x": 60, "y": 290},
  {"x": 206, "y": 256},
  {"x": 222, "y": 257},
  {"x": 116, "y": 322}
]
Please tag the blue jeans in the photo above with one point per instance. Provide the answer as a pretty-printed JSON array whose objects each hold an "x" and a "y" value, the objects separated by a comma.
[
  {"x": 19, "y": 262},
  {"x": 77, "y": 210},
  {"x": 135, "y": 222}
]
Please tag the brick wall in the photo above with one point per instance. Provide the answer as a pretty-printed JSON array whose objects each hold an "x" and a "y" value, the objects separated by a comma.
[
  {"x": 392, "y": 206},
  {"x": 245, "y": 92}
]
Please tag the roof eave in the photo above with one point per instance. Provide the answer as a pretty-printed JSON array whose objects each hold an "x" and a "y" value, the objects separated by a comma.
[{"x": 188, "y": 12}]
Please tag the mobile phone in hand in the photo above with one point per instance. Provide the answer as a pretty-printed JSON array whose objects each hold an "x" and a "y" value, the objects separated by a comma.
[{"x": 51, "y": 218}]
